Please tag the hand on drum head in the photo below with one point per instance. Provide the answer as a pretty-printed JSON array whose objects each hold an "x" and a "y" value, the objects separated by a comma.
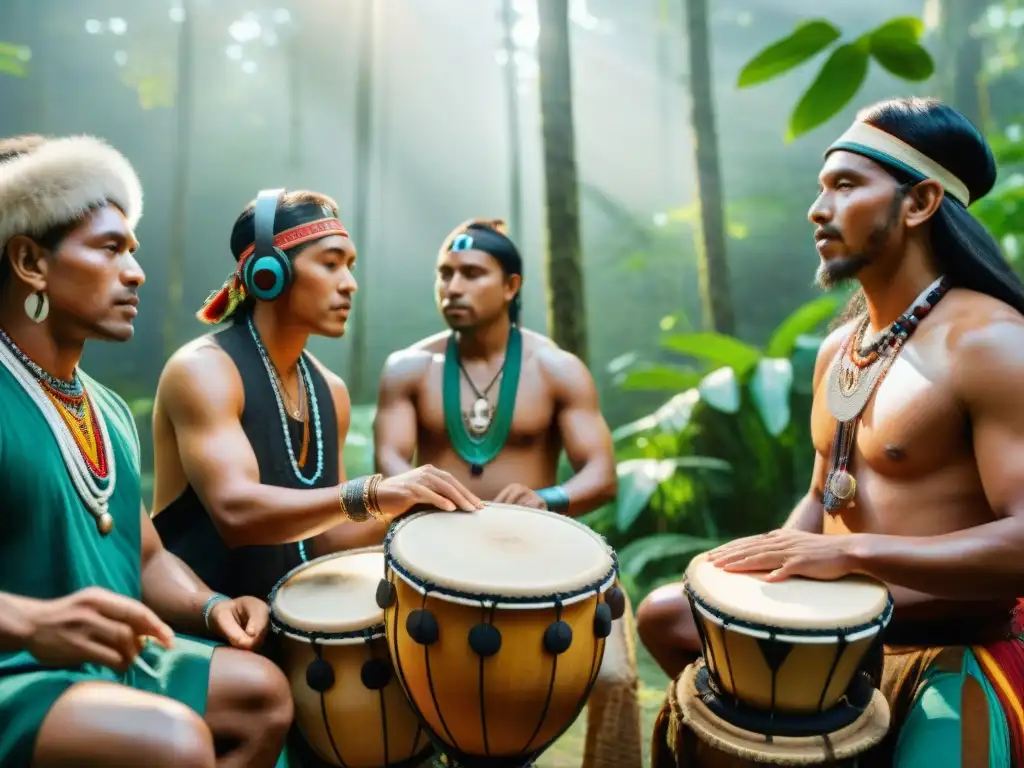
[
  {"x": 93, "y": 626},
  {"x": 785, "y": 553},
  {"x": 521, "y": 495},
  {"x": 424, "y": 485}
]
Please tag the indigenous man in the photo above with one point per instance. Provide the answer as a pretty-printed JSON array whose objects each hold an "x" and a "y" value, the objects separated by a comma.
[
  {"x": 493, "y": 403},
  {"x": 91, "y": 673},
  {"x": 919, "y": 437},
  {"x": 249, "y": 428}
]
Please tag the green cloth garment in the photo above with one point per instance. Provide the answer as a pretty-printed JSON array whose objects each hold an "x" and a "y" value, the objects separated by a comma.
[
  {"x": 930, "y": 736},
  {"x": 50, "y": 547}
]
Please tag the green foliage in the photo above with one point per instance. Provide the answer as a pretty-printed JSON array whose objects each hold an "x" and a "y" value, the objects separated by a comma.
[
  {"x": 1002, "y": 209},
  {"x": 895, "y": 45},
  {"x": 14, "y": 59},
  {"x": 806, "y": 41},
  {"x": 726, "y": 457}
]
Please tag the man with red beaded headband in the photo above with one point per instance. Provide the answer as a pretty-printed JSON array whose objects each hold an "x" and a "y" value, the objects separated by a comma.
[
  {"x": 919, "y": 436},
  {"x": 249, "y": 428},
  {"x": 91, "y": 673}
]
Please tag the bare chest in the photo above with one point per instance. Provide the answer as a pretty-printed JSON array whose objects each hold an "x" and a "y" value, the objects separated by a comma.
[
  {"x": 534, "y": 406},
  {"x": 913, "y": 425}
]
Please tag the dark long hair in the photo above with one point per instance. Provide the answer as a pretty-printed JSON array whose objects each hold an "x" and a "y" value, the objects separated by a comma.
[{"x": 964, "y": 250}]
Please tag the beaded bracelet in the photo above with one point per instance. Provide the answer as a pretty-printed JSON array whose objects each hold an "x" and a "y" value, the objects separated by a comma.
[{"x": 213, "y": 600}]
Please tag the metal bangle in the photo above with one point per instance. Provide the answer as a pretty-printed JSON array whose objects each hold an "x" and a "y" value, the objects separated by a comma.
[{"x": 352, "y": 495}]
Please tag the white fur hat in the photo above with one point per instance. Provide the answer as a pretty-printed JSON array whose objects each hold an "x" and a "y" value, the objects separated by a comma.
[{"x": 60, "y": 180}]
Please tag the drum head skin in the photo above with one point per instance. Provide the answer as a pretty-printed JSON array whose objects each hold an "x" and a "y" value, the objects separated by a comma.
[
  {"x": 332, "y": 594},
  {"x": 796, "y": 603},
  {"x": 502, "y": 549}
]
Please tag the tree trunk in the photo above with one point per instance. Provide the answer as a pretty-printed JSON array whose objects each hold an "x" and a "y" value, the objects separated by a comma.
[
  {"x": 961, "y": 58},
  {"x": 566, "y": 302},
  {"x": 179, "y": 196},
  {"x": 515, "y": 163},
  {"x": 715, "y": 292},
  {"x": 361, "y": 202}
]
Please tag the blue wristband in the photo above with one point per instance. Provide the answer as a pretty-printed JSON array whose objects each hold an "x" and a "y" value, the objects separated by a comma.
[
  {"x": 214, "y": 599},
  {"x": 555, "y": 497}
]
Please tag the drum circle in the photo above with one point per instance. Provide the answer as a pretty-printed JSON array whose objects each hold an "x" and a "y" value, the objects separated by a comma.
[{"x": 495, "y": 674}]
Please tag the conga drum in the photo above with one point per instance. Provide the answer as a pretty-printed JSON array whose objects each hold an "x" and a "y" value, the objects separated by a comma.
[
  {"x": 496, "y": 622},
  {"x": 349, "y": 706},
  {"x": 782, "y": 678}
]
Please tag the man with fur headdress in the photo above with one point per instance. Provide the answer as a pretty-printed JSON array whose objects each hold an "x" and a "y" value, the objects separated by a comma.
[{"x": 91, "y": 673}]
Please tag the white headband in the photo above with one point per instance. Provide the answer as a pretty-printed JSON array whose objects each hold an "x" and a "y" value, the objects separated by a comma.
[{"x": 864, "y": 139}]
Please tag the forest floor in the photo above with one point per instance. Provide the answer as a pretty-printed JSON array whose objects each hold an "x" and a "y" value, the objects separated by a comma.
[{"x": 567, "y": 752}]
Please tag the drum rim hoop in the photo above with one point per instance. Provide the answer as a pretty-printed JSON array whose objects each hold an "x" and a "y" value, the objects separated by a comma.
[
  {"x": 280, "y": 626},
  {"x": 497, "y": 599},
  {"x": 729, "y": 621}
]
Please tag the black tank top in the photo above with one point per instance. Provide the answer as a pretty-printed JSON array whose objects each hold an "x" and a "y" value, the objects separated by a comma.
[{"x": 185, "y": 526}]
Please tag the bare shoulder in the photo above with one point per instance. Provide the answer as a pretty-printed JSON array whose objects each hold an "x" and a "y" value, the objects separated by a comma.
[
  {"x": 200, "y": 374},
  {"x": 407, "y": 367},
  {"x": 568, "y": 375},
  {"x": 985, "y": 340}
]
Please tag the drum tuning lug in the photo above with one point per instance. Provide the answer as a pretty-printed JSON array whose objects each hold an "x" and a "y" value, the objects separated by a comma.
[
  {"x": 485, "y": 640},
  {"x": 375, "y": 674},
  {"x": 386, "y": 594},
  {"x": 616, "y": 602},
  {"x": 602, "y": 621},
  {"x": 320, "y": 676},
  {"x": 557, "y": 638},
  {"x": 422, "y": 626}
]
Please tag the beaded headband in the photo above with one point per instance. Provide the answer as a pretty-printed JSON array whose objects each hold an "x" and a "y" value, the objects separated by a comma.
[{"x": 869, "y": 141}]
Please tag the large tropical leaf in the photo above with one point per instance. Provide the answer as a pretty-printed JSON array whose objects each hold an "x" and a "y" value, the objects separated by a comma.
[
  {"x": 640, "y": 478},
  {"x": 660, "y": 378},
  {"x": 770, "y": 390},
  {"x": 672, "y": 417},
  {"x": 836, "y": 84},
  {"x": 639, "y": 553},
  {"x": 715, "y": 348},
  {"x": 721, "y": 390},
  {"x": 806, "y": 320},
  {"x": 807, "y": 40}
]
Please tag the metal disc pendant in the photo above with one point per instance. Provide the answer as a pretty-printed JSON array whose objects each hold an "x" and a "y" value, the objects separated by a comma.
[
  {"x": 105, "y": 523},
  {"x": 843, "y": 486}
]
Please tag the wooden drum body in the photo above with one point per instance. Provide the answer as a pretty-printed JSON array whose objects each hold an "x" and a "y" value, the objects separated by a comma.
[
  {"x": 496, "y": 623},
  {"x": 349, "y": 706},
  {"x": 783, "y": 662}
]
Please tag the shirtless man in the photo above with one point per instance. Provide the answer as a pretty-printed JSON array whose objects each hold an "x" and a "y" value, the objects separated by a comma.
[
  {"x": 511, "y": 389},
  {"x": 249, "y": 429},
  {"x": 937, "y": 507},
  {"x": 91, "y": 673},
  {"x": 522, "y": 399}
]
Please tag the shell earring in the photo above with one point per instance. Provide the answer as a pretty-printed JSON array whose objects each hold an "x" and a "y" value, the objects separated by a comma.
[{"x": 37, "y": 306}]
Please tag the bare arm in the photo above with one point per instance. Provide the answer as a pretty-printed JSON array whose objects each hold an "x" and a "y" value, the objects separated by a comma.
[
  {"x": 201, "y": 393},
  {"x": 985, "y": 561},
  {"x": 347, "y": 535},
  {"x": 584, "y": 432},
  {"x": 15, "y": 622},
  {"x": 169, "y": 587},
  {"x": 394, "y": 426}
]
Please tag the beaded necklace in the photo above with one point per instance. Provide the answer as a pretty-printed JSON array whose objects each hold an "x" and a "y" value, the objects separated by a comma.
[
  {"x": 858, "y": 369},
  {"x": 77, "y": 424},
  {"x": 309, "y": 394}
]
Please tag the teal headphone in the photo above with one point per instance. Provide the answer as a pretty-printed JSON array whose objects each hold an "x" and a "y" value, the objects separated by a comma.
[{"x": 268, "y": 271}]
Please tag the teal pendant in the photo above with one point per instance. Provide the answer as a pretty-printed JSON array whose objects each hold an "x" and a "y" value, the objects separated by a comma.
[{"x": 478, "y": 451}]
